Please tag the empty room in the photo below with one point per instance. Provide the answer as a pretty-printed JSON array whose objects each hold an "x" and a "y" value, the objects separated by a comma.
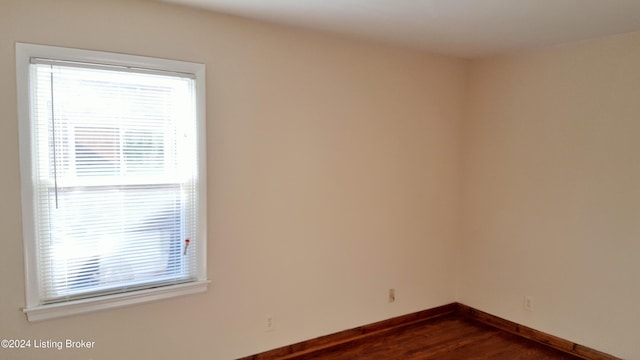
[{"x": 278, "y": 179}]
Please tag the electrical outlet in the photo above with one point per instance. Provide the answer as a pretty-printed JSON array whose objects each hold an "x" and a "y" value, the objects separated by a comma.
[
  {"x": 392, "y": 295},
  {"x": 528, "y": 303},
  {"x": 269, "y": 323}
]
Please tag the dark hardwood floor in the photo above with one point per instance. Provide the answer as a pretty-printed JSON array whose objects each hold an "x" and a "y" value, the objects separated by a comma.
[{"x": 447, "y": 337}]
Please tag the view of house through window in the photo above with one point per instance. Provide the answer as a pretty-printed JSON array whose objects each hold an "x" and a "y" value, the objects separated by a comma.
[{"x": 115, "y": 176}]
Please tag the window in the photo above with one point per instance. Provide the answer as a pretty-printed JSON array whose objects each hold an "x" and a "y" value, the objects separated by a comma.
[{"x": 113, "y": 179}]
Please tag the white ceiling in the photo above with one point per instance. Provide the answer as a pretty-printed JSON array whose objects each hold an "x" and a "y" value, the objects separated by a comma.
[{"x": 464, "y": 28}]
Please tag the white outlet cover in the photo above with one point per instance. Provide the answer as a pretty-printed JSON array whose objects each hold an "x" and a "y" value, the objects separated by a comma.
[
  {"x": 528, "y": 303},
  {"x": 269, "y": 323}
]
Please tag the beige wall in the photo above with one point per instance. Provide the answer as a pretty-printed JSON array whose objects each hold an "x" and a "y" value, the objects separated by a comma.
[
  {"x": 333, "y": 176},
  {"x": 552, "y": 191}
]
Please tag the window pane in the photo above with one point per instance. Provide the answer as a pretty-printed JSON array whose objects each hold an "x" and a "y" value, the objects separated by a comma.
[
  {"x": 97, "y": 151},
  {"x": 107, "y": 237},
  {"x": 143, "y": 151},
  {"x": 116, "y": 180}
]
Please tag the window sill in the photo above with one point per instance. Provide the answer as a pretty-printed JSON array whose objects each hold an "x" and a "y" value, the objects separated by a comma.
[{"x": 52, "y": 311}]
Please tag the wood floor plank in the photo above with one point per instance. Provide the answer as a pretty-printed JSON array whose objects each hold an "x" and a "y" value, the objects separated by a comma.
[
  {"x": 449, "y": 332},
  {"x": 450, "y": 337}
]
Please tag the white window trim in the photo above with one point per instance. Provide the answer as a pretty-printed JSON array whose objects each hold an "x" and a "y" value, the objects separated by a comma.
[
  {"x": 51, "y": 311},
  {"x": 34, "y": 310}
]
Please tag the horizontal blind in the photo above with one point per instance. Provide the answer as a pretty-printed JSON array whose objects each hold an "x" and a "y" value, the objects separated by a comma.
[{"x": 115, "y": 166}]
